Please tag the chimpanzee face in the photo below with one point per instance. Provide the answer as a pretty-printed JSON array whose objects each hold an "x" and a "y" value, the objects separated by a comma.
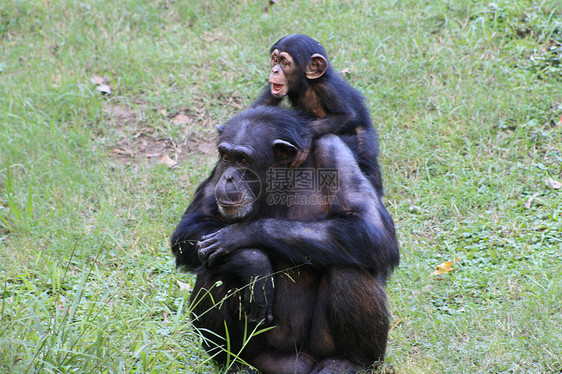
[
  {"x": 247, "y": 148},
  {"x": 282, "y": 68},
  {"x": 239, "y": 186},
  {"x": 286, "y": 74}
]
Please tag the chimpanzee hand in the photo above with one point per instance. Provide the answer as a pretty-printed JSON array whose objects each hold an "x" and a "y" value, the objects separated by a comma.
[{"x": 220, "y": 243}]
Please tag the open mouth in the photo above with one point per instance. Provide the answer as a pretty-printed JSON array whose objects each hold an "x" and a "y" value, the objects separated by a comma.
[{"x": 276, "y": 88}]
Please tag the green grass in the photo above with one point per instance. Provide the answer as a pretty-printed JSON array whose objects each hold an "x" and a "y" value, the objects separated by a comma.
[{"x": 467, "y": 97}]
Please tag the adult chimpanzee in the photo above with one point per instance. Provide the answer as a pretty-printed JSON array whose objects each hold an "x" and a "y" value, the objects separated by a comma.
[
  {"x": 329, "y": 255},
  {"x": 300, "y": 70}
]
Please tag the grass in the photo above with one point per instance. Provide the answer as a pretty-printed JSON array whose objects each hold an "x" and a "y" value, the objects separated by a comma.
[{"x": 467, "y": 97}]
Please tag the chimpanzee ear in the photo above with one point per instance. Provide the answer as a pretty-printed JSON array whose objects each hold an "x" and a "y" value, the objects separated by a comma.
[
  {"x": 220, "y": 129},
  {"x": 283, "y": 151},
  {"x": 317, "y": 66}
]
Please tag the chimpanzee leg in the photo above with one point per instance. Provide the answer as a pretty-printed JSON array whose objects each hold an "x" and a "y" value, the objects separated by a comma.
[
  {"x": 272, "y": 362},
  {"x": 235, "y": 295},
  {"x": 350, "y": 323},
  {"x": 255, "y": 274},
  {"x": 336, "y": 366},
  {"x": 358, "y": 316}
]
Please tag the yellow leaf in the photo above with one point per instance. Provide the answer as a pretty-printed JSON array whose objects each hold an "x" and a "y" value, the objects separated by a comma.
[{"x": 445, "y": 267}]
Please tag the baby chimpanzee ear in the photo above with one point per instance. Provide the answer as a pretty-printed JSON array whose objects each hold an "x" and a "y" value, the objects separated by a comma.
[
  {"x": 220, "y": 129},
  {"x": 317, "y": 66},
  {"x": 283, "y": 151}
]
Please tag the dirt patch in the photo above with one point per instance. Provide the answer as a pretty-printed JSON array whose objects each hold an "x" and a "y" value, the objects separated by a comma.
[
  {"x": 146, "y": 146},
  {"x": 122, "y": 114},
  {"x": 140, "y": 142}
]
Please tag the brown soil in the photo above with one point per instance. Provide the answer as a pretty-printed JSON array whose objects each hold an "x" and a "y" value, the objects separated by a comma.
[{"x": 142, "y": 143}]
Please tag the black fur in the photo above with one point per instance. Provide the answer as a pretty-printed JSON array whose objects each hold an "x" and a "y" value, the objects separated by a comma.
[
  {"x": 339, "y": 108},
  {"x": 329, "y": 259}
]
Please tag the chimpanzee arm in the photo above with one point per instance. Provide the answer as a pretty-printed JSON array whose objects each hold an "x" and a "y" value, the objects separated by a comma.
[
  {"x": 340, "y": 108},
  {"x": 201, "y": 218},
  {"x": 251, "y": 268},
  {"x": 347, "y": 240},
  {"x": 357, "y": 232},
  {"x": 266, "y": 98}
]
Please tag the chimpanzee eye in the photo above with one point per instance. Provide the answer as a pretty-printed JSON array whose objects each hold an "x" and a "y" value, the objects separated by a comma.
[
  {"x": 274, "y": 61},
  {"x": 244, "y": 162},
  {"x": 284, "y": 62},
  {"x": 225, "y": 157}
]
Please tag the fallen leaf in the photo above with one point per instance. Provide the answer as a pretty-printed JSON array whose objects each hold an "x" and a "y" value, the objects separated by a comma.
[
  {"x": 104, "y": 89},
  {"x": 553, "y": 184},
  {"x": 530, "y": 201},
  {"x": 445, "y": 267},
  {"x": 181, "y": 120},
  {"x": 346, "y": 72},
  {"x": 168, "y": 161},
  {"x": 183, "y": 286},
  {"x": 97, "y": 80}
]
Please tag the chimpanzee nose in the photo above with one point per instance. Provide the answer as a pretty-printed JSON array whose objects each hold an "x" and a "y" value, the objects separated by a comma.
[{"x": 229, "y": 175}]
